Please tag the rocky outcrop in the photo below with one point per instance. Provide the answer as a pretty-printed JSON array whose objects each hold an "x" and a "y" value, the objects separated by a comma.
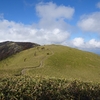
[{"x": 9, "y": 48}]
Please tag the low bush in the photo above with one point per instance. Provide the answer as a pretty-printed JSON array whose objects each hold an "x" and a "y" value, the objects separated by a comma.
[{"x": 37, "y": 88}]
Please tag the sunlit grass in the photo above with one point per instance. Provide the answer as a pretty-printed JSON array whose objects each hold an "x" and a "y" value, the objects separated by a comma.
[{"x": 57, "y": 61}]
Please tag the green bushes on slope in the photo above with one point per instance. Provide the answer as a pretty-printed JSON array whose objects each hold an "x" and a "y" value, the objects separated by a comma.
[{"x": 32, "y": 88}]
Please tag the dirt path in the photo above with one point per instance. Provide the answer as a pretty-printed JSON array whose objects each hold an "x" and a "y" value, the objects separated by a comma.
[{"x": 38, "y": 66}]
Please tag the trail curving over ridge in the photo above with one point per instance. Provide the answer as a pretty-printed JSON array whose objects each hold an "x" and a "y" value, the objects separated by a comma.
[{"x": 38, "y": 66}]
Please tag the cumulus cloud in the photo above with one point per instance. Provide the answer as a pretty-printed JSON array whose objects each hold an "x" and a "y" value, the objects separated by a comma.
[
  {"x": 98, "y": 5},
  {"x": 90, "y": 23},
  {"x": 52, "y": 11},
  {"x": 50, "y": 29},
  {"x": 52, "y": 16},
  {"x": 10, "y": 30},
  {"x": 78, "y": 42},
  {"x": 94, "y": 43},
  {"x": 89, "y": 45}
]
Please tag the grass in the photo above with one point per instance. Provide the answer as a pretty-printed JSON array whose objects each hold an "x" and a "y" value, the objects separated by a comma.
[{"x": 57, "y": 61}]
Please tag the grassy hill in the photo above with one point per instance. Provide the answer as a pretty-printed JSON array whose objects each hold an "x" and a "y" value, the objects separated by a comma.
[{"x": 53, "y": 61}]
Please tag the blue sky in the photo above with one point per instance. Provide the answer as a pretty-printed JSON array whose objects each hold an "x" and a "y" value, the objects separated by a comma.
[{"x": 74, "y": 23}]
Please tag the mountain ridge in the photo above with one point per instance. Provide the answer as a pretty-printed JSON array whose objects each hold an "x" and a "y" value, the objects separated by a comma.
[{"x": 9, "y": 48}]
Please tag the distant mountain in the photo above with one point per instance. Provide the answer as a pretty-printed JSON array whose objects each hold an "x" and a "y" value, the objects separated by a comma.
[{"x": 9, "y": 48}]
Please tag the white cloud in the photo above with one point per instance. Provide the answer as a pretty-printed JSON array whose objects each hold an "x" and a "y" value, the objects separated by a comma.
[
  {"x": 98, "y": 5},
  {"x": 10, "y": 30},
  {"x": 19, "y": 32},
  {"x": 52, "y": 11},
  {"x": 78, "y": 42},
  {"x": 90, "y": 23},
  {"x": 52, "y": 16},
  {"x": 50, "y": 29},
  {"x": 94, "y": 43},
  {"x": 91, "y": 45}
]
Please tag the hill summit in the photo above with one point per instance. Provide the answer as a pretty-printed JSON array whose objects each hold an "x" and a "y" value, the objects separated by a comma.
[{"x": 9, "y": 48}]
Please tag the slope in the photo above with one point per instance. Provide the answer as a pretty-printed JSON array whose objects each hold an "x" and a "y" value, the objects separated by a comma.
[
  {"x": 53, "y": 61},
  {"x": 9, "y": 48}
]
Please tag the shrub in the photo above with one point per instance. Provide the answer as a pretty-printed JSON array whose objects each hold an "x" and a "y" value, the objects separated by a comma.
[{"x": 37, "y": 88}]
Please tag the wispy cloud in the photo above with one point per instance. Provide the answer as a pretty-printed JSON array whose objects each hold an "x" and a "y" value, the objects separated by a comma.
[
  {"x": 98, "y": 5},
  {"x": 1, "y": 16},
  {"x": 28, "y": 4}
]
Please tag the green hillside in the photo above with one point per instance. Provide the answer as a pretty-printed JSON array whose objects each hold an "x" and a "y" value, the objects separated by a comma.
[{"x": 53, "y": 61}]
